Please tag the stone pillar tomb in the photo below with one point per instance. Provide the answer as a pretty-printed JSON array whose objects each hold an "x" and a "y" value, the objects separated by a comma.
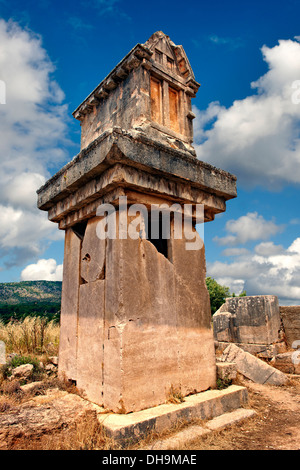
[{"x": 135, "y": 313}]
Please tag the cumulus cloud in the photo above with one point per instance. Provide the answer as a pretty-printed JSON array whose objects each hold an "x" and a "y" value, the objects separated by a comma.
[
  {"x": 268, "y": 269},
  {"x": 249, "y": 227},
  {"x": 235, "y": 251},
  {"x": 44, "y": 269},
  {"x": 268, "y": 249},
  {"x": 257, "y": 138},
  {"x": 32, "y": 136}
]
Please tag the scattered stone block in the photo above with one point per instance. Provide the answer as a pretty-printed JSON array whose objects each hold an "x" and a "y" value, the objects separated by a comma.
[
  {"x": 286, "y": 363},
  {"x": 22, "y": 372},
  {"x": 249, "y": 320},
  {"x": 252, "y": 367},
  {"x": 50, "y": 368},
  {"x": 27, "y": 388},
  {"x": 265, "y": 351},
  {"x": 291, "y": 322},
  {"x": 222, "y": 324},
  {"x": 226, "y": 370},
  {"x": 54, "y": 360}
]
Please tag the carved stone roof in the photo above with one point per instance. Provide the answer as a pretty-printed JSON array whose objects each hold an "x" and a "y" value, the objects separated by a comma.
[
  {"x": 161, "y": 42},
  {"x": 145, "y": 55}
]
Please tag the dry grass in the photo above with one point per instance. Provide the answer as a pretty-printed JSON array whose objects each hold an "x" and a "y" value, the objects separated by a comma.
[
  {"x": 10, "y": 395},
  {"x": 175, "y": 396},
  {"x": 33, "y": 335}
]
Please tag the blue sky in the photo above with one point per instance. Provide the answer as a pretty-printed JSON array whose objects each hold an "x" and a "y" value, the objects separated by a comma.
[{"x": 246, "y": 55}]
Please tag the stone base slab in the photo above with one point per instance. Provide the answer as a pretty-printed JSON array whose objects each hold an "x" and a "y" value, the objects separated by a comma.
[
  {"x": 131, "y": 427},
  {"x": 192, "y": 433},
  {"x": 229, "y": 419}
]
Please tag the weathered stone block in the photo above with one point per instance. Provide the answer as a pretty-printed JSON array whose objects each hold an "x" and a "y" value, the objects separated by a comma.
[
  {"x": 266, "y": 351},
  {"x": 159, "y": 334},
  {"x": 288, "y": 362},
  {"x": 92, "y": 254},
  {"x": 22, "y": 372},
  {"x": 69, "y": 306},
  {"x": 226, "y": 370},
  {"x": 291, "y": 322},
  {"x": 251, "y": 367},
  {"x": 90, "y": 354},
  {"x": 248, "y": 320},
  {"x": 223, "y": 325}
]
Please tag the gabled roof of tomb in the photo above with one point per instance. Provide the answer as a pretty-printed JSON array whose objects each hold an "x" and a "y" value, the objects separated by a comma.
[
  {"x": 161, "y": 43},
  {"x": 173, "y": 62}
]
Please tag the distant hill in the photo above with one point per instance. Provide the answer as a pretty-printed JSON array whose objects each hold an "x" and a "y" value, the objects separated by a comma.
[
  {"x": 30, "y": 291},
  {"x": 20, "y": 299}
]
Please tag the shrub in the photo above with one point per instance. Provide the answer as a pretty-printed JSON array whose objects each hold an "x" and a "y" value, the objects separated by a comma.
[{"x": 223, "y": 383}]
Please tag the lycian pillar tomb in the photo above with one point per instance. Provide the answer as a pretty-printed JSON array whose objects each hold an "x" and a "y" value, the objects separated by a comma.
[{"x": 135, "y": 313}]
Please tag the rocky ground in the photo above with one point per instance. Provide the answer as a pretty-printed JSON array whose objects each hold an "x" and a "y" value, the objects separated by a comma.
[{"x": 49, "y": 417}]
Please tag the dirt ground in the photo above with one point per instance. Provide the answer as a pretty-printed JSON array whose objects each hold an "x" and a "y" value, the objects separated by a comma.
[{"x": 275, "y": 427}]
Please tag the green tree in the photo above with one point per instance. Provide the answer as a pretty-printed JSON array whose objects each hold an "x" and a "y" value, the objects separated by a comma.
[{"x": 218, "y": 294}]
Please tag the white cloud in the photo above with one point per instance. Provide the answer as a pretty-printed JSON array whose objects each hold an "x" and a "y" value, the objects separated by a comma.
[
  {"x": 32, "y": 136},
  {"x": 236, "y": 286},
  {"x": 249, "y": 227},
  {"x": 235, "y": 251},
  {"x": 18, "y": 190},
  {"x": 44, "y": 269},
  {"x": 268, "y": 249},
  {"x": 258, "y": 138},
  {"x": 20, "y": 228},
  {"x": 270, "y": 269}
]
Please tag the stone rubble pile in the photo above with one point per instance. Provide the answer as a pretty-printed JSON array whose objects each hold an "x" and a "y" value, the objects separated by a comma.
[{"x": 257, "y": 337}]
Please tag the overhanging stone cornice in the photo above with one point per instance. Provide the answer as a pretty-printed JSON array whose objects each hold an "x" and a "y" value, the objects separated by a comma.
[
  {"x": 80, "y": 180},
  {"x": 138, "y": 186}
]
